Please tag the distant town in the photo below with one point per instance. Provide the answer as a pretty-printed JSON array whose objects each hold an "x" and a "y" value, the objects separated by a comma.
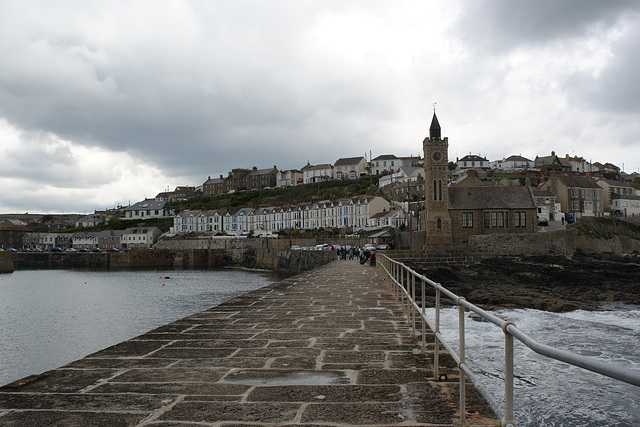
[{"x": 352, "y": 196}]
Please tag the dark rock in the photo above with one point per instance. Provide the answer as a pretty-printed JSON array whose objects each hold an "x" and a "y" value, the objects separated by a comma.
[{"x": 549, "y": 283}]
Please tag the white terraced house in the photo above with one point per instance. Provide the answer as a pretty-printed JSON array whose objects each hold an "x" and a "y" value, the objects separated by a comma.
[
  {"x": 139, "y": 237},
  {"x": 85, "y": 240},
  {"x": 356, "y": 212}
]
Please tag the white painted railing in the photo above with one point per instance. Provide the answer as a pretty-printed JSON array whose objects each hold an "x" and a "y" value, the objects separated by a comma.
[{"x": 404, "y": 288}]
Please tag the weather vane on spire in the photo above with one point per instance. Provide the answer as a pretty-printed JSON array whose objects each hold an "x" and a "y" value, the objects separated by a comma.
[{"x": 434, "y": 106}]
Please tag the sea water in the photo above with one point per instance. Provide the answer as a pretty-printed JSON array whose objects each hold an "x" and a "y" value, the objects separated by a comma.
[
  {"x": 49, "y": 318},
  {"x": 549, "y": 392}
]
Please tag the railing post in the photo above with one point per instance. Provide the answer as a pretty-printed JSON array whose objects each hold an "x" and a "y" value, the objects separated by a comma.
[
  {"x": 422, "y": 315},
  {"x": 413, "y": 301},
  {"x": 508, "y": 378},
  {"x": 395, "y": 279},
  {"x": 436, "y": 348},
  {"x": 462, "y": 360}
]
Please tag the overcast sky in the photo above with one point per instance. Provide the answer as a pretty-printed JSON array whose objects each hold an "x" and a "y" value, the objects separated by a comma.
[{"x": 106, "y": 103}]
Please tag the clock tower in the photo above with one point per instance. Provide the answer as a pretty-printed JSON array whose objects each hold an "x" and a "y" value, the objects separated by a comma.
[{"x": 436, "y": 164}]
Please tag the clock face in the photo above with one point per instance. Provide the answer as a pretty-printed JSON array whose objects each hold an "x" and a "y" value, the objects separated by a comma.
[{"x": 436, "y": 156}]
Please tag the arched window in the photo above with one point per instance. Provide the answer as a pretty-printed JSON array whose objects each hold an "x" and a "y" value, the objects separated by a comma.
[
  {"x": 435, "y": 190},
  {"x": 439, "y": 190},
  {"x": 439, "y": 224}
]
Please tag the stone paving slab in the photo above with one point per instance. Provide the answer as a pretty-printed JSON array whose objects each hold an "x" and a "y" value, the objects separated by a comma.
[{"x": 327, "y": 347}]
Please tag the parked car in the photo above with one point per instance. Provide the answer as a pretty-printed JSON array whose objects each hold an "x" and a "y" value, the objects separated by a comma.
[
  {"x": 295, "y": 248},
  {"x": 55, "y": 249},
  {"x": 95, "y": 250},
  {"x": 382, "y": 246},
  {"x": 369, "y": 246},
  {"x": 12, "y": 250},
  {"x": 543, "y": 221},
  {"x": 71, "y": 250}
]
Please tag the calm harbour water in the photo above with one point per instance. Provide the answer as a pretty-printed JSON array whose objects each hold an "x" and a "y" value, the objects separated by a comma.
[{"x": 49, "y": 318}]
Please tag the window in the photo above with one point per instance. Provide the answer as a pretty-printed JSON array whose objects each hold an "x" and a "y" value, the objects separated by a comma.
[
  {"x": 582, "y": 193},
  {"x": 520, "y": 219},
  {"x": 467, "y": 219},
  {"x": 496, "y": 219},
  {"x": 575, "y": 206},
  {"x": 596, "y": 194},
  {"x": 588, "y": 206},
  {"x": 574, "y": 193},
  {"x": 439, "y": 223}
]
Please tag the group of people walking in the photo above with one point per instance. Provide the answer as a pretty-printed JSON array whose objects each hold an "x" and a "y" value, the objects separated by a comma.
[{"x": 363, "y": 255}]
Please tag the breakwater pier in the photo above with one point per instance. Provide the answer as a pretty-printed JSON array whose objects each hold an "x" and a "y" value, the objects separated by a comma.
[{"x": 328, "y": 346}]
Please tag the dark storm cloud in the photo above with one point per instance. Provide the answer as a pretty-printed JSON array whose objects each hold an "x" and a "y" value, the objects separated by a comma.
[
  {"x": 496, "y": 26},
  {"x": 234, "y": 90}
]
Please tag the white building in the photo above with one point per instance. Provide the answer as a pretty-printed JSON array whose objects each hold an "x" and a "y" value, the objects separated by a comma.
[
  {"x": 403, "y": 174},
  {"x": 472, "y": 161},
  {"x": 84, "y": 241},
  {"x": 385, "y": 163},
  {"x": 148, "y": 209},
  {"x": 318, "y": 173},
  {"x": 139, "y": 237},
  {"x": 350, "y": 167},
  {"x": 515, "y": 163}
]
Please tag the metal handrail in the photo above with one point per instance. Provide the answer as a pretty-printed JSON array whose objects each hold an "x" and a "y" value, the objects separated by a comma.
[{"x": 404, "y": 279}]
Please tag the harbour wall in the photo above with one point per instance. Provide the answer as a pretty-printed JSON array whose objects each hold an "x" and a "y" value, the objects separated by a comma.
[
  {"x": 274, "y": 254},
  {"x": 566, "y": 242},
  {"x": 273, "y": 259},
  {"x": 6, "y": 262}
]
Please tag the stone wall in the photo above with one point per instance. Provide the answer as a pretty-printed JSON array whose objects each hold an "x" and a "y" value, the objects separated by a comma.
[
  {"x": 561, "y": 242},
  {"x": 206, "y": 242},
  {"x": 6, "y": 262},
  {"x": 272, "y": 259}
]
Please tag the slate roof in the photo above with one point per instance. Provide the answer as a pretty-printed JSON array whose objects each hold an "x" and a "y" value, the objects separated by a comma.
[
  {"x": 349, "y": 161},
  {"x": 319, "y": 167},
  {"x": 385, "y": 157},
  {"x": 214, "y": 181},
  {"x": 491, "y": 198},
  {"x": 577, "y": 182},
  {"x": 472, "y": 157},
  {"x": 543, "y": 193},
  {"x": 616, "y": 183},
  {"x": 147, "y": 204},
  {"x": 516, "y": 158}
]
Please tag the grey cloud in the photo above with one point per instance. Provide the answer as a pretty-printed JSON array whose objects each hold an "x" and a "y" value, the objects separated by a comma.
[
  {"x": 237, "y": 93},
  {"x": 497, "y": 26},
  {"x": 615, "y": 89}
]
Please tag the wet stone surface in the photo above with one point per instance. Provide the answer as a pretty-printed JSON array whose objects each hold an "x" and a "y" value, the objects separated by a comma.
[{"x": 327, "y": 347}]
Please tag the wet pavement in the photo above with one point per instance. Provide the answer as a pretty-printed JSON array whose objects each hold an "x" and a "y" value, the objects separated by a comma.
[{"x": 327, "y": 347}]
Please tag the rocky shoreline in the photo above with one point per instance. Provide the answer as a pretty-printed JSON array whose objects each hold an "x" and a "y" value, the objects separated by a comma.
[{"x": 549, "y": 283}]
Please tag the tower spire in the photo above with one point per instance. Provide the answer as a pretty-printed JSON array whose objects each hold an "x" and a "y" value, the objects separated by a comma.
[{"x": 434, "y": 129}]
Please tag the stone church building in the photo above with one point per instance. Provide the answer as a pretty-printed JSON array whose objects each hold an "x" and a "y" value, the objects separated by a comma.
[{"x": 453, "y": 214}]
